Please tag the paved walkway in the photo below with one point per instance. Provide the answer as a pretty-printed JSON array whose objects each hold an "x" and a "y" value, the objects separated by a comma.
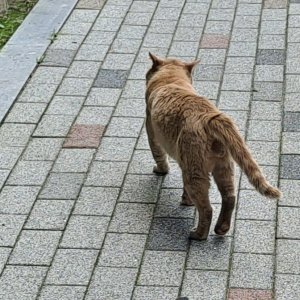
[{"x": 81, "y": 220}]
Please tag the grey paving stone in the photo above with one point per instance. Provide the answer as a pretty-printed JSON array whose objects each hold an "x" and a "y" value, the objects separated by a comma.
[
  {"x": 94, "y": 115},
  {"x": 62, "y": 186},
  {"x": 76, "y": 28},
  {"x": 252, "y": 271},
  {"x": 169, "y": 234},
  {"x": 274, "y": 14},
  {"x": 142, "y": 162},
  {"x": 209, "y": 89},
  {"x": 103, "y": 97},
  {"x": 237, "y": 82},
  {"x": 155, "y": 292},
  {"x": 294, "y": 7},
  {"x": 67, "y": 42},
  {"x": 42, "y": 149},
  {"x": 268, "y": 73},
  {"x": 218, "y": 27},
  {"x": 65, "y": 105},
  {"x": 270, "y": 57},
  {"x": 134, "y": 89},
  {"x": 112, "y": 283},
  {"x": 54, "y": 126},
  {"x": 75, "y": 86},
  {"x": 191, "y": 20},
  {"x": 221, "y": 14},
  {"x": 292, "y": 83},
  {"x": 72, "y": 267},
  {"x": 162, "y": 268},
  {"x": 97, "y": 37},
  {"x": 160, "y": 40},
  {"x": 196, "y": 8},
  {"x": 265, "y": 110},
  {"x": 270, "y": 172},
  {"x": 9, "y": 156},
  {"x": 94, "y": 4},
  {"x": 58, "y": 57},
  {"x": 35, "y": 247},
  {"x": 265, "y": 153},
  {"x": 293, "y": 66},
  {"x": 124, "y": 127},
  {"x": 291, "y": 102},
  {"x": 267, "y": 91},
  {"x": 21, "y": 282},
  {"x": 293, "y": 35},
  {"x": 291, "y": 121},
  {"x": 96, "y": 201},
  {"x": 169, "y": 205},
  {"x": 113, "y": 254},
  {"x": 118, "y": 61},
  {"x": 254, "y": 236},
  {"x": 167, "y": 13},
  {"x": 253, "y": 206},
  {"x": 111, "y": 78},
  {"x": 48, "y": 75},
  {"x": 115, "y": 149},
  {"x": 183, "y": 48},
  {"x": 113, "y": 11},
  {"x": 272, "y": 27},
  {"x": 288, "y": 222},
  {"x": 16, "y": 135},
  {"x": 143, "y": 55},
  {"x": 242, "y": 49},
  {"x": 173, "y": 179},
  {"x": 260, "y": 130},
  {"x": 234, "y": 100},
  {"x": 246, "y": 21},
  {"x": 143, "y": 141},
  {"x": 290, "y": 166},
  {"x": 52, "y": 292},
  {"x": 212, "y": 254},
  {"x": 85, "y": 232},
  {"x": 244, "y": 34},
  {"x": 199, "y": 284},
  {"x": 107, "y": 24},
  {"x": 11, "y": 226},
  {"x": 208, "y": 72},
  {"x": 294, "y": 21},
  {"x": 239, "y": 64},
  {"x": 138, "y": 18},
  {"x": 287, "y": 286},
  {"x": 30, "y": 173},
  {"x": 143, "y": 6},
  {"x": 290, "y": 143},
  {"x": 289, "y": 190},
  {"x": 17, "y": 199},
  {"x": 249, "y": 9},
  {"x": 212, "y": 56},
  {"x": 131, "y": 32},
  {"x": 4, "y": 254},
  {"x": 162, "y": 26},
  {"x": 268, "y": 41},
  {"x": 130, "y": 107},
  {"x": 91, "y": 52},
  {"x": 106, "y": 173},
  {"x": 125, "y": 45},
  {"x": 83, "y": 15},
  {"x": 140, "y": 188},
  {"x": 287, "y": 259},
  {"x": 26, "y": 113},
  {"x": 49, "y": 214},
  {"x": 83, "y": 69},
  {"x": 132, "y": 218}
]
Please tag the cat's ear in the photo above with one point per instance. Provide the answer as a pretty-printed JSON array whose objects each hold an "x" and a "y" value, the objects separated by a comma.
[
  {"x": 156, "y": 60},
  {"x": 191, "y": 65}
]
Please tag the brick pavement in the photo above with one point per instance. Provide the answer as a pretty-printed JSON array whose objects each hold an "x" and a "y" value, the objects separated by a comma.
[{"x": 81, "y": 220}]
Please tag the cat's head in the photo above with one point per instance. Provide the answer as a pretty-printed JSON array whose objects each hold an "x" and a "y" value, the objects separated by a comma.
[{"x": 173, "y": 65}]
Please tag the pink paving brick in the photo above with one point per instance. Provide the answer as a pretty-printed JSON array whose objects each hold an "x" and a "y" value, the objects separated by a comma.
[
  {"x": 84, "y": 136},
  {"x": 249, "y": 294},
  {"x": 214, "y": 41}
]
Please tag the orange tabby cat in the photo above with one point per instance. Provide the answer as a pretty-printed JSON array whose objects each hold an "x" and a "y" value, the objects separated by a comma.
[{"x": 200, "y": 138}]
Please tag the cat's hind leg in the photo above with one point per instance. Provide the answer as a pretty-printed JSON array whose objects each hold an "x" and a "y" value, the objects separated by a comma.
[
  {"x": 159, "y": 154},
  {"x": 223, "y": 174},
  {"x": 185, "y": 199}
]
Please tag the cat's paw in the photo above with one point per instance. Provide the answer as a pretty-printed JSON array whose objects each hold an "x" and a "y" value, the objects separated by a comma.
[
  {"x": 222, "y": 229},
  {"x": 161, "y": 170},
  {"x": 195, "y": 236},
  {"x": 185, "y": 200}
]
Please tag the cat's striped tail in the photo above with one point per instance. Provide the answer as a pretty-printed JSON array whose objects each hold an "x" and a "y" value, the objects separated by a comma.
[{"x": 224, "y": 130}]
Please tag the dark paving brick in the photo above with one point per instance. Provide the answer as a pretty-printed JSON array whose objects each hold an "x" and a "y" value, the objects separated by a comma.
[
  {"x": 58, "y": 57},
  {"x": 249, "y": 294},
  {"x": 290, "y": 167},
  {"x": 84, "y": 136},
  {"x": 291, "y": 121},
  {"x": 169, "y": 234},
  {"x": 270, "y": 57},
  {"x": 111, "y": 78}
]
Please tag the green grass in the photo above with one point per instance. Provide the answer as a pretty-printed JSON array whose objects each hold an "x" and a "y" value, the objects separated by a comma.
[{"x": 10, "y": 21}]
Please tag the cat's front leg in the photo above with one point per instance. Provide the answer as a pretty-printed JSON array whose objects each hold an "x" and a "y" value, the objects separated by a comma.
[{"x": 159, "y": 154}]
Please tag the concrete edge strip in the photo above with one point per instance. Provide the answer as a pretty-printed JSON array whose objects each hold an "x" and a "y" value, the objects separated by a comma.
[{"x": 18, "y": 58}]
